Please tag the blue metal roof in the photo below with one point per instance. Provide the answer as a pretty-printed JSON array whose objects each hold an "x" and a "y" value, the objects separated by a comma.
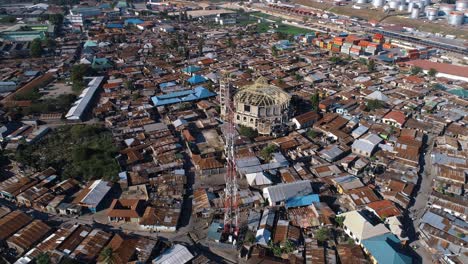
[
  {"x": 167, "y": 84},
  {"x": 196, "y": 79},
  {"x": 191, "y": 69},
  {"x": 385, "y": 249},
  {"x": 182, "y": 96},
  {"x": 305, "y": 200},
  {"x": 133, "y": 21},
  {"x": 214, "y": 231},
  {"x": 114, "y": 25}
]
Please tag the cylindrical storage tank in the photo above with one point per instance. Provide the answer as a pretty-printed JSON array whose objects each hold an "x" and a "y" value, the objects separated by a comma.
[
  {"x": 415, "y": 13},
  {"x": 393, "y": 4},
  {"x": 402, "y": 7},
  {"x": 361, "y": 1},
  {"x": 422, "y": 8},
  {"x": 456, "y": 18},
  {"x": 431, "y": 13},
  {"x": 378, "y": 3},
  {"x": 461, "y": 5},
  {"x": 445, "y": 9},
  {"x": 410, "y": 6}
]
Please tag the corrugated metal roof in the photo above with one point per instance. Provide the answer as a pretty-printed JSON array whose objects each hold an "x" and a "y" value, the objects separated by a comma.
[
  {"x": 302, "y": 200},
  {"x": 79, "y": 107}
]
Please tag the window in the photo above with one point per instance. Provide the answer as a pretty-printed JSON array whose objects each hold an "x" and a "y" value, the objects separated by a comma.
[{"x": 247, "y": 108}]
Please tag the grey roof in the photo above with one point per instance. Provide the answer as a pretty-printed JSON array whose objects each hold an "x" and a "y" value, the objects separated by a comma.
[
  {"x": 368, "y": 143},
  {"x": 98, "y": 190},
  {"x": 253, "y": 220},
  {"x": 361, "y": 130},
  {"x": 80, "y": 105},
  {"x": 284, "y": 191},
  {"x": 178, "y": 254},
  {"x": 155, "y": 127}
]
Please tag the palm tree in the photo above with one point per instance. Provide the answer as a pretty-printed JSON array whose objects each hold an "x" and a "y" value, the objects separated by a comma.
[{"x": 107, "y": 256}]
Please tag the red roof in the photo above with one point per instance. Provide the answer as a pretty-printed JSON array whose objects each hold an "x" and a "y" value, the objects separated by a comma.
[
  {"x": 398, "y": 116},
  {"x": 440, "y": 67},
  {"x": 384, "y": 208}
]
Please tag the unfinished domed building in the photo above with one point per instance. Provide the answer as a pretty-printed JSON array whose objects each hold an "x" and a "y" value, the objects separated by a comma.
[{"x": 261, "y": 106}]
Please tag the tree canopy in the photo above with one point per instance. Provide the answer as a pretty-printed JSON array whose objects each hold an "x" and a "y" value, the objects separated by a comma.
[
  {"x": 80, "y": 151},
  {"x": 36, "y": 48},
  {"x": 248, "y": 132}
]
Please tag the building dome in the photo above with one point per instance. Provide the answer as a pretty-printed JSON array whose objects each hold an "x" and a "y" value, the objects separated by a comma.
[
  {"x": 261, "y": 93},
  {"x": 261, "y": 106}
]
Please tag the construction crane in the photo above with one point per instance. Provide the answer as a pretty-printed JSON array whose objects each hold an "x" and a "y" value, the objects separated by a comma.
[{"x": 231, "y": 206}]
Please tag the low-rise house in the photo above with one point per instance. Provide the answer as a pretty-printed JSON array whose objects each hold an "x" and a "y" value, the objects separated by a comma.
[
  {"x": 359, "y": 197},
  {"x": 386, "y": 248},
  {"x": 11, "y": 223},
  {"x": 359, "y": 226},
  {"x": 176, "y": 254},
  {"x": 94, "y": 196},
  {"x": 280, "y": 193},
  {"x": 384, "y": 209},
  {"x": 160, "y": 219},
  {"x": 395, "y": 118},
  {"x": 88, "y": 250},
  {"x": 306, "y": 120},
  {"x": 367, "y": 145},
  {"x": 125, "y": 210},
  {"x": 351, "y": 254},
  {"x": 347, "y": 182},
  {"x": 28, "y": 236}
]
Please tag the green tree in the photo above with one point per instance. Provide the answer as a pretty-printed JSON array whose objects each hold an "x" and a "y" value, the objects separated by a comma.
[
  {"x": 43, "y": 258},
  {"x": 8, "y": 19},
  {"x": 415, "y": 70},
  {"x": 432, "y": 72},
  {"x": 340, "y": 220},
  {"x": 4, "y": 160},
  {"x": 374, "y": 104},
  {"x": 130, "y": 85},
  {"x": 288, "y": 246},
  {"x": 336, "y": 59},
  {"x": 49, "y": 43},
  {"x": 315, "y": 100},
  {"x": 36, "y": 48},
  {"x": 107, "y": 255},
  {"x": 298, "y": 77},
  {"x": 274, "y": 51},
  {"x": 323, "y": 234},
  {"x": 229, "y": 42},
  {"x": 249, "y": 236},
  {"x": 248, "y": 132},
  {"x": 311, "y": 134},
  {"x": 78, "y": 72},
  {"x": 201, "y": 43},
  {"x": 266, "y": 152},
  {"x": 276, "y": 249},
  {"x": 56, "y": 19},
  {"x": 371, "y": 66}
]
